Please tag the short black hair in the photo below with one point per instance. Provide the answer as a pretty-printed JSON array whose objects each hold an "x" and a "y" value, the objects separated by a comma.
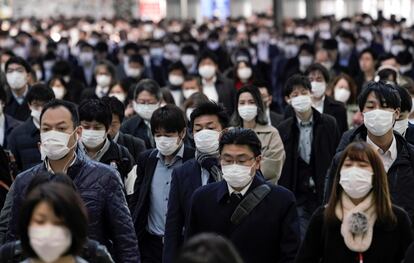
[
  {"x": 406, "y": 101},
  {"x": 369, "y": 51},
  {"x": 116, "y": 106},
  {"x": 208, "y": 54},
  {"x": 296, "y": 80},
  {"x": 136, "y": 58},
  {"x": 260, "y": 83},
  {"x": 62, "y": 68},
  {"x": 177, "y": 66},
  {"x": 210, "y": 108},
  {"x": 20, "y": 61},
  {"x": 261, "y": 117},
  {"x": 387, "y": 95},
  {"x": 148, "y": 85},
  {"x": 320, "y": 68},
  {"x": 71, "y": 107},
  {"x": 241, "y": 136},
  {"x": 404, "y": 57},
  {"x": 385, "y": 73},
  {"x": 130, "y": 45},
  {"x": 169, "y": 118},
  {"x": 66, "y": 204},
  {"x": 385, "y": 56},
  {"x": 40, "y": 92},
  {"x": 109, "y": 66},
  {"x": 95, "y": 110}
]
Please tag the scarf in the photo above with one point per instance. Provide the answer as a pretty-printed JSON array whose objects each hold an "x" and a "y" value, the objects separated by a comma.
[
  {"x": 211, "y": 164},
  {"x": 357, "y": 222}
]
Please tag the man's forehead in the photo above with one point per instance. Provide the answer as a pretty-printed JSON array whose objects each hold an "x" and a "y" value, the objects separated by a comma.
[{"x": 59, "y": 113}]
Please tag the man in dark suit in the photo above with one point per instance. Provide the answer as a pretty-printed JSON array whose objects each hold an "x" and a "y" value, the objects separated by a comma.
[
  {"x": 149, "y": 201},
  {"x": 260, "y": 236},
  {"x": 7, "y": 122},
  {"x": 266, "y": 94},
  {"x": 85, "y": 71},
  {"x": 215, "y": 86},
  {"x": 207, "y": 122}
]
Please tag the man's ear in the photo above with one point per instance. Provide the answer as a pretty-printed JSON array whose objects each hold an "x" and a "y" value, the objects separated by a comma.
[
  {"x": 183, "y": 133},
  {"x": 287, "y": 99},
  {"x": 79, "y": 130},
  {"x": 397, "y": 112},
  {"x": 258, "y": 161}
]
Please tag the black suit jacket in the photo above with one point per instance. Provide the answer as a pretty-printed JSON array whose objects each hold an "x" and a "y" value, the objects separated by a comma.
[
  {"x": 275, "y": 118},
  {"x": 18, "y": 111},
  {"x": 270, "y": 233},
  {"x": 134, "y": 145},
  {"x": 10, "y": 124},
  {"x": 140, "y": 200},
  {"x": 226, "y": 93},
  {"x": 136, "y": 127}
]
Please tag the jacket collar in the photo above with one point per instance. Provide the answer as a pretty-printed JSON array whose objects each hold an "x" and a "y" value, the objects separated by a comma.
[
  {"x": 223, "y": 190},
  {"x": 263, "y": 128},
  {"x": 316, "y": 116}
]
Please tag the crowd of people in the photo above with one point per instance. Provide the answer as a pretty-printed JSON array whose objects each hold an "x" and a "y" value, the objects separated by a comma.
[{"x": 226, "y": 141}]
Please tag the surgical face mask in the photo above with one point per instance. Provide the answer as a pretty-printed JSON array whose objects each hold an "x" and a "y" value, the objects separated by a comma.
[
  {"x": 342, "y": 94},
  {"x": 244, "y": 73},
  {"x": 344, "y": 48},
  {"x": 157, "y": 52},
  {"x": 133, "y": 72},
  {"x": 175, "y": 80},
  {"x": 188, "y": 92},
  {"x": 207, "y": 141},
  {"x": 247, "y": 112},
  {"x": 236, "y": 175},
  {"x": 86, "y": 57},
  {"x": 167, "y": 145},
  {"x": 301, "y": 103},
  {"x": 145, "y": 111},
  {"x": 54, "y": 144},
  {"x": 367, "y": 35},
  {"x": 103, "y": 80},
  {"x": 16, "y": 80},
  {"x": 213, "y": 45},
  {"x": 188, "y": 60},
  {"x": 207, "y": 71},
  {"x": 93, "y": 138},
  {"x": 378, "y": 122},
  {"x": 59, "y": 92},
  {"x": 305, "y": 61},
  {"x": 318, "y": 89},
  {"x": 120, "y": 96},
  {"x": 395, "y": 49},
  {"x": 412, "y": 108},
  {"x": 49, "y": 242},
  {"x": 327, "y": 64},
  {"x": 291, "y": 50},
  {"x": 36, "y": 117},
  {"x": 401, "y": 126},
  {"x": 39, "y": 75},
  {"x": 355, "y": 181}
]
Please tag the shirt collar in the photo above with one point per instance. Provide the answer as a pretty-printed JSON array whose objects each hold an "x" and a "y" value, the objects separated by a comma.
[
  {"x": 210, "y": 83},
  {"x": 50, "y": 170},
  {"x": 116, "y": 137},
  {"x": 243, "y": 191},
  {"x": 2, "y": 120},
  {"x": 392, "y": 150},
  {"x": 178, "y": 156},
  {"x": 304, "y": 123},
  {"x": 20, "y": 99},
  {"x": 319, "y": 103},
  {"x": 98, "y": 155}
]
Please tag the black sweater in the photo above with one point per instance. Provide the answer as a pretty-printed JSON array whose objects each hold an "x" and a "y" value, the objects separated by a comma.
[{"x": 324, "y": 243}]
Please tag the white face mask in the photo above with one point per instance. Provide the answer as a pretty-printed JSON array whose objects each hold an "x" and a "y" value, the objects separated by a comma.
[
  {"x": 59, "y": 92},
  {"x": 378, "y": 122},
  {"x": 36, "y": 117},
  {"x": 133, "y": 72},
  {"x": 145, "y": 111},
  {"x": 356, "y": 182},
  {"x": 207, "y": 141},
  {"x": 247, "y": 112},
  {"x": 318, "y": 89},
  {"x": 244, "y": 73},
  {"x": 305, "y": 61},
  {"x": 86, "y": 57},
  {"x": 207, "y": 71},
  {"x": 120, "y": 96},
  {"x": 93, "y": 138},
  {"x": 301, "y": 103},
  {"x": 236, "y": 175},
  {"x": 412, "y": 108},
  {"x": 103, "y": 80},
  {"x": 16, "y": 80},
  {"x": 167, "y": 145},
  {"x": 188, "y": 92},
  {"x": 54, "y": 144},
  {"x": 175, "y": 80},
  {"x": 49, "y": 242},
  {"x": 401, "y": 126},
  {"x": 188, "y": 60},
  {"x": 342, "y": 94}
]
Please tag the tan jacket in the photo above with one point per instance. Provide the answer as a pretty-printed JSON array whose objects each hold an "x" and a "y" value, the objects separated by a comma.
[{"x": 273, "y": 152}]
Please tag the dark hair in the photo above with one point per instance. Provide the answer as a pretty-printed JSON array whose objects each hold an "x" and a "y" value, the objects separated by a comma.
[
  {"x": 115, "y": 106},
  {"x": 66, "y": 204},
  {"x": 61, "y": 68},
  {"x": 167, "y": 96},
  {"x": 71, "y": 107},
  {"x": 136, "y": 59},
  {"x": 259, "y": 83},
  {"x": 207, "y": 54},
  {"x": 386, "y": 94},
  {"x": 385, "y": 56},
  {"x": 40, "y": 92},
  {"x": 210, "y": 108},
  {"x": 130, "y": 45},
  {"x": 241, "y": 136},
  {"x": 369, "y": 51},
  {"x": 320, "y": 68},
  {"x": 109, "y": 66},
  {"x": 208, "y": 248},
  {"x": 20, "y": 61},
  {"x": 294, "y": 81},
  {"x": 3, "y": 96},
  {"x": 385, "y": 74},
  {"x": 150, "y": 86},
  {"x": 169, "y": 118},
  {"x": 362, "y": 151},
  {"x": 406, "y": 101},
  {"x": 95, "y": 110},
  {"x": 351, "y": 83},
  {"x": 177, "y": 66},
  {"x": 261, "y": 117},
  {"x": 190, "y": 77}
]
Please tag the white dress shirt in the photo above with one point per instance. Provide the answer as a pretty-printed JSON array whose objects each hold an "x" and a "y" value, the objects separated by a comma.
[
  {"x": 209, "y": 89},
  {"x": 243, "y": 191},
  {"x": 388, "y": 157},
  {"x": 319, "y": 105},
  {"x": 2, "y": 128}
]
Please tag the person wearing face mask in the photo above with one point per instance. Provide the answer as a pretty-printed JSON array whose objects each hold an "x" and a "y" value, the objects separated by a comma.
[
  {"x": 243, "y": 74},
  {"x": 105, "y": 78},
  {"x": 380, "y": 105},
  {"x": 191, "y": 85},
  {"x": 404, "y": 59},
  {"x": 59, "y": 88},
  {"x": 119, "y": 91},
  {"x": 135, "y": 71},
  {"x": 216, "y": 87},
  {"x": 63, "y": 69},
  {"x": 176, "y": 75},
  {"x": 273, "y": 118},
  {"x": 367, "y": 60},
  {"x": 207, "y": 122},
  {"x": 360, "y": 223},
  {"x": 128, "y": 50},
  {"x": 17, "y": 75},
  {"x": 154, "y": 168},
  {"x": 250, "y": 114},
  {"x": 98, "y": 184},
  {"x": 213, "y": 45},
  {"x": 402, "y": 126},
  {"x": 7, "y": 122},
  {"x": 147, "y": 98},
  {"x": 95, "y": 119},
  {"x": 189, "y": 58},
  {"x": 159, "y": 64},
  {"x": 85, "y": 71},
  {"x": 240, "y": 154},
  {"x": 23, "y": 140},
  {"x": 310, "y": 139}
]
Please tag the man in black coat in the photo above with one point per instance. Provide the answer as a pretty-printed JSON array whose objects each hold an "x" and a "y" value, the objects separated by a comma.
[
  {"x": 310, "y": 139},
  {"x": 7, "y": 122},
  {"x": 149, "y": 201},
  {"x": 207, "y": 121},
  {"x": 260, "y": 236},
  {"x": 274, "y": 118}
]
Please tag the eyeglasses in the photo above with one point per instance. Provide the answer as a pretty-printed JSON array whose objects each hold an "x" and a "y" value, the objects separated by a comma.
[{"x": 241, "y": 161}]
